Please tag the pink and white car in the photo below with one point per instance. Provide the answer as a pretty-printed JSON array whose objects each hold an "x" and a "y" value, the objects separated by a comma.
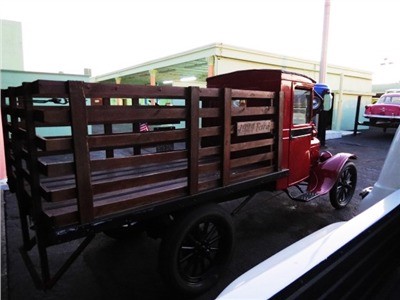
[{"x": 386, "y": 111}]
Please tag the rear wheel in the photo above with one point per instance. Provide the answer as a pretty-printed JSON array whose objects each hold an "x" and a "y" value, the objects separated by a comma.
[
  {"x": 343, "y": 190},
  {"x": 196, "y": 249}
]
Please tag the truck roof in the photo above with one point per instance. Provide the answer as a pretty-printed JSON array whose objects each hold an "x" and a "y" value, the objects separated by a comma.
[{"x": 257, "y": 79}]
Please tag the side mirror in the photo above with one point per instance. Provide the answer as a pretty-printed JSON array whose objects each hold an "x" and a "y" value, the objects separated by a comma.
[
  {"x": 316, "y": 104},
  {"x": 323, "y": 97},
  {"x": 327, "y": 102}
]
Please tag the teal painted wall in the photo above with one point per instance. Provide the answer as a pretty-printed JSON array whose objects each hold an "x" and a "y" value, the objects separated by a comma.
[{"x": 12, "y": 78}]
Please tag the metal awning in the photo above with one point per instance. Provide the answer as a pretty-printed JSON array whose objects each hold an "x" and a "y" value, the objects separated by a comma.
[{"x": 172, "y": 68}]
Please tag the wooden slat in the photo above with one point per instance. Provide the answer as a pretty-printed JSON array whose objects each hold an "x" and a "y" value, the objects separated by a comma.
[
  {"x": 210, "y": 167},
  {"x": 137, "y": 149},
  {"x": 67, "y": 168},
  {"x": 252, "y": 111},
  {"x": 248, "y": 94},
  {"x": 128, "y": 139},
  {"x": 115, "y": 174},
  {"x": 160, "y": 195},
  {"x": 16, "y": 111},
  {"x": 226, "y": 142},
  {"x": 63, "y": 188},
  {"x": 108, "y": 128},
  {"x": 128, "y": 114},
  {"x": 119, "y": 201},
  {"x": 19, "y": 133},
  {"x": 56, "y": 169},
  {"x": 209, "y": 92},
  {"x": 279, "y": 135},
  {"x": 122, "y": 183},
  {"x": 216, "y": 150},
  {"x": 17, "y": 177},
  {"x": 209, "y": 112},
  {"x": 133, "y": 91},
  {"x": 5, "y": 112},
  {"x": 47, "y": 88},
  {"x": 210, "y": 184},
  {"x": 66, "y": 189},
  {"x": 247, "y": 160},
  {"x": 54, "y": 144},
  {"x": 252, "y": 144},
  {"x": 135, "y": 161},
  {"x": 79, "y": 128},
  {"x": 193, "y": 122},
  {"x": 237, "y": 94},
  {"x": 34, "y": 200},
  {"x": 252, "y": 173},
  {"x": 52, "y": 115},
  {"x": 210, "y": 131},
  {"x": 59, "y": 194}
]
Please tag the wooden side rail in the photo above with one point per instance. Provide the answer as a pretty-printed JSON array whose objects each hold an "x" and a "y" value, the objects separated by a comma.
[{"x": 105, "y": 165}]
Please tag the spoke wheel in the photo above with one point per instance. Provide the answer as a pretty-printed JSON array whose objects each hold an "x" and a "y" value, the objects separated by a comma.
[
  {"x": 342, "y": 192},
  {"x": 196, "y": 249}
]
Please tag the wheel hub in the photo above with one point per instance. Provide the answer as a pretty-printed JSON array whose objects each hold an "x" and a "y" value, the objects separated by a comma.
[{"x": 202, "y": 248}]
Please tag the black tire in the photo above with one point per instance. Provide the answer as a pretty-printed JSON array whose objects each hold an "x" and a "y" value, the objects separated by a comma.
[
  {"x": 342, "y": 192},
  {"x": 196, "y": 249},
  {"x": 125, "y": 232}
]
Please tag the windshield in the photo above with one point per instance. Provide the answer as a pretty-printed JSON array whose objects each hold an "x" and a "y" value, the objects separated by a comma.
[{"x": 388, "y": 99}]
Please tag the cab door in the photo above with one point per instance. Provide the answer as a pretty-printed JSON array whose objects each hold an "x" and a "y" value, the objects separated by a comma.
[{"x": 300, "y": 134}]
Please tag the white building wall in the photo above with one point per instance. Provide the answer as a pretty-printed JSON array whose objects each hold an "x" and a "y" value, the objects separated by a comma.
[
  {"x": 12, "y": 57},
  {"x": 347, "y": 84}
]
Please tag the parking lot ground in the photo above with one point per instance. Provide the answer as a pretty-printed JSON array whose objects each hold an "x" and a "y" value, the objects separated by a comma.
[{"x": 110, "y": 269}]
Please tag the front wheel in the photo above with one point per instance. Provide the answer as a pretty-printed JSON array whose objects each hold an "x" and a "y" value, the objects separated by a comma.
[
  {"x": 196, "y": 249},
  {"x": 343, "y": 190}
]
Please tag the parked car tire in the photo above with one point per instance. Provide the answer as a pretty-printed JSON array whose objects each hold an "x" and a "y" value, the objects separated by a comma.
[
  {"x": 196, "y": 249},
  {"x": 343, "y": 190}
]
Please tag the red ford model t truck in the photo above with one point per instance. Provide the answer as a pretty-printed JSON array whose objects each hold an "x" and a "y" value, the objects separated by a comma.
[{"x": 246, "y": 132}]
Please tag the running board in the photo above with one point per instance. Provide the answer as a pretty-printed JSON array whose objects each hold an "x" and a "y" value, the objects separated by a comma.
[
  {"x": 305, "y": 197},
  {"x": 302, "y": 196}
]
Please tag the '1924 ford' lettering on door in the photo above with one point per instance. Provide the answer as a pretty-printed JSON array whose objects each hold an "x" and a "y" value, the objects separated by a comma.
[{"x": 255, "y": 127}]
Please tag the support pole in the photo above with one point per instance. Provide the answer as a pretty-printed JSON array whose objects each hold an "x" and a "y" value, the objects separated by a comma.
[
  {"x": 153, "y": 74},
  {"x": 321, "y": 124},
  {"x": 324, "y": 48},
  {"x": 356, "y": 123},
  {"x": 211, "y": 63}
]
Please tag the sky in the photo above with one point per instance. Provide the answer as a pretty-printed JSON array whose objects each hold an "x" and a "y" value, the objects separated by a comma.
[{"x": 105, "y": 36}]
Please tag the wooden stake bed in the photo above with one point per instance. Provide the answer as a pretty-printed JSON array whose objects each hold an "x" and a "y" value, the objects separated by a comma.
[{"x": 104, "y": 165}]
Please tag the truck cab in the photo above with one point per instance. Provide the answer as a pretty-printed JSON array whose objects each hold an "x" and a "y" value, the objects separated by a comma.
[{"x": 299, "y": 101}]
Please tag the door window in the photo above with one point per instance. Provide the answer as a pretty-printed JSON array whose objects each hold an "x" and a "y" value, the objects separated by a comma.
[{"x": 301, "y": 106}]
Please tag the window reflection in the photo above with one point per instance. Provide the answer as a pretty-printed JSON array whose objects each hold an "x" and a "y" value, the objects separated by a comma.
[{"x": 301, "y": 104}]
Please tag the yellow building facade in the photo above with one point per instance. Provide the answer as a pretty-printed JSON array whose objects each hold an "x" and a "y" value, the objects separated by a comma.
[{"x": 194, "y": 66}]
